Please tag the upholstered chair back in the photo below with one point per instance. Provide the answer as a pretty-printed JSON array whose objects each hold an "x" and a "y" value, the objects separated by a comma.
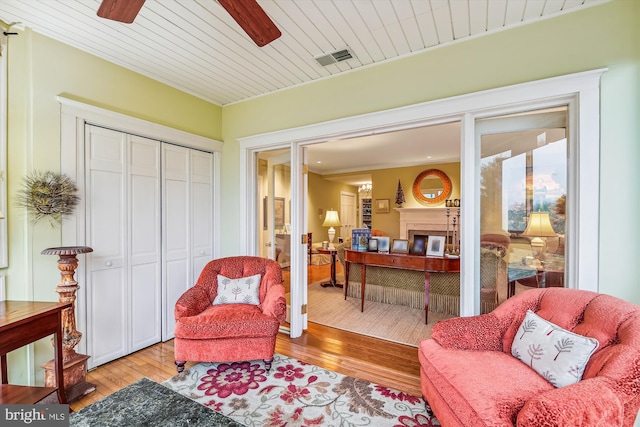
[{"x": 238, "y": 267}]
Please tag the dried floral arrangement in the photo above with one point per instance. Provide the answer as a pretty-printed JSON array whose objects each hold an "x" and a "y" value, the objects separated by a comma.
[{"x": 48, "y": 195}]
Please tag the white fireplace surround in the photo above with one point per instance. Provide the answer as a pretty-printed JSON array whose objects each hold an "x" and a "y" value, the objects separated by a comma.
[{"x": 426, "y": 221}]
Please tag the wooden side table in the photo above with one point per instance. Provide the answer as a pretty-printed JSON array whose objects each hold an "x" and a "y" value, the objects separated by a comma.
[
  {"x": 332, "y": 280},
  {"x": 21, "y": 323}
]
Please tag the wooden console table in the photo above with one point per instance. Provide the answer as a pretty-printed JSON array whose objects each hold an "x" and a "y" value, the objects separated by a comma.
[
  {"x": 21, "y": 323},
  {"x": 402, "y": 261}
]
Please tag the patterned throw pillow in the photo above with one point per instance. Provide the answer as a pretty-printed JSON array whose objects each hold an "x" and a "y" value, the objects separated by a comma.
[
  {"x": 238, "y": 291},
  {"x": 558, "y": 355}
]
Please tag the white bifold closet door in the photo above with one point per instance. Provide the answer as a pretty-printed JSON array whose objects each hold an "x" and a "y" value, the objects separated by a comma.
[
  {"x": 149, "y": 216},
  {"x": 187, "y": 229},
  {"x": 123, "y": 228}
]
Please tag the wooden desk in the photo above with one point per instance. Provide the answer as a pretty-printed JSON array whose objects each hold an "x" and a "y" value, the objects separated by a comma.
[
  {"x": 21, "y": 323},
  {"x": 402, "y": 261}
]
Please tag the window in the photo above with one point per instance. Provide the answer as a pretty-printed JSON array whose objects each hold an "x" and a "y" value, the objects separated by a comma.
[{"x": 523, "y": 194}]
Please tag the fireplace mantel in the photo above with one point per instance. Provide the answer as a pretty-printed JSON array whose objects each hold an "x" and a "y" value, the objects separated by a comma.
[{"x": 432, "y": 220}]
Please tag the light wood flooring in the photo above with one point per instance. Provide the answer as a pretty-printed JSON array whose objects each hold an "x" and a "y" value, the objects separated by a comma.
[
  {"x": 382, "y": 362},
  {"x": 315, "y": 273}
]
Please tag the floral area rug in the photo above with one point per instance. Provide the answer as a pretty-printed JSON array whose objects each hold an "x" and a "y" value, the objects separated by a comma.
[{"x": 297, "y": 394}]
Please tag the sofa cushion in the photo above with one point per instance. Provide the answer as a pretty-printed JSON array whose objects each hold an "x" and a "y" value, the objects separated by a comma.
[
  {"x": 243, "y": 290},
  {"x": 558, "y": 355},
  {"x": 227, "y": 321},
  {"x": 498, "y": 388}
]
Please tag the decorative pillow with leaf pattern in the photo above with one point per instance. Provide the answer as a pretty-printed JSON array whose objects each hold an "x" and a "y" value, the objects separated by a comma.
[
  {"x": 238, "y": 291},
  {"x": 560, "y": 356}
]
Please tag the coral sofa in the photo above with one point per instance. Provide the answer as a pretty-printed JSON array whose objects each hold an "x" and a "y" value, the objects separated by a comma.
[
  {"x": 470, "y": 378},
  {"x": 213, "y": 329}
]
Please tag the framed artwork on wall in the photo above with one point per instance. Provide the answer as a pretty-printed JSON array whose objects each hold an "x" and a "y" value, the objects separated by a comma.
[
  {"x": 382, "y": 206},
  {"x": 278, "y": 212},
  {"x": 265, "y": 210},
  {"x": 435, "y": 246}
]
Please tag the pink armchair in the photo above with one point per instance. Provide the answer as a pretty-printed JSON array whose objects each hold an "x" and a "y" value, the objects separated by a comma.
[
  {"x": 469, "y": 377},
  {"x": 230, "y": 332}
]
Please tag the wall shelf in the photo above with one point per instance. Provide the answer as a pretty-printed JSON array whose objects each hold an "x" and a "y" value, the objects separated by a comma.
[{"x": 365, "y": 213}]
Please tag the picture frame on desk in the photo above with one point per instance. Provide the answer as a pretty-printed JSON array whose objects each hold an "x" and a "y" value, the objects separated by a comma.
[
  {"x": 419, "y": 244},
  {"x": 383, "y": 244},
  {"x": 435, "y": 246},
  {"x": 400, "y": 246},
  {"x": 359, "y": 238},
  {"x": 372, "y": 245}
]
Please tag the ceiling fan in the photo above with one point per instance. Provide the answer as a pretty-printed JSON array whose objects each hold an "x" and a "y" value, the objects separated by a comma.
[{"x": 247, "y": 13}]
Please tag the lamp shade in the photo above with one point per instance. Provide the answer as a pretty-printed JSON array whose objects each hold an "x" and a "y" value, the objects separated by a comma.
[
  {"x": 539, "y": 225},
  {"x": 332, "y": 219}
]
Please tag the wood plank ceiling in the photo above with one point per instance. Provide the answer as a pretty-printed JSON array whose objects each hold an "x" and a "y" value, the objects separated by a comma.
[{"x": 196, "y": 47}]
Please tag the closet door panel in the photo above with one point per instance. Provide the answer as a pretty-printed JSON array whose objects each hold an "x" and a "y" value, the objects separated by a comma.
[
  {"x": 176, "y": 277},
  {"x": 106, "y": 234},
  {"x": 144, "y": 242},
  {"x": 107, "y": 225},
  {"x": 145, "y": 306},
  {"x": 107, "y": 335},
  {"x": 202, "y": 210}
]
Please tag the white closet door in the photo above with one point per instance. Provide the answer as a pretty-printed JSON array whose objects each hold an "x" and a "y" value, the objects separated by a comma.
[
  {"x": 176, "y": 266},
  {"x": 144, "y": 242},
  {"x": 107, "y": 308},
  {"x": 187, "y": 223},
  {"x": 202, "y": 211},
  {"x": 123, "y": 223}
]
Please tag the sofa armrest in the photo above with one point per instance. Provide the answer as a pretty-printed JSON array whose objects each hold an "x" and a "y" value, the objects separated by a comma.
[
  {"x": 588, "y": 402},
  {"x": 194, "y": 301},
  {"x": 483, "y": 332},
  {"x": 275, "y": 303}
]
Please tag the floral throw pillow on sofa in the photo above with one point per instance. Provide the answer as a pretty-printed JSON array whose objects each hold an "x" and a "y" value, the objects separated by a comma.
[
  {"x": 238, "y": 291},
  {"x": 560, "y": 356}
]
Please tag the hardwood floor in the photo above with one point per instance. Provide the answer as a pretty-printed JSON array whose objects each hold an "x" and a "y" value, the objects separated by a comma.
[
  {"x": 382, "y": 362},
  {"x": 315, "y": 273}
]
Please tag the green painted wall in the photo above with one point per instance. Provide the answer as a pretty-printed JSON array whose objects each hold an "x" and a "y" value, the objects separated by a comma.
[
  {"x": 323, "y": 195},
  {"x": 39, "y": 69},
  {"x": 385, "y": 185},
  {"x": 606, "y": 35}
]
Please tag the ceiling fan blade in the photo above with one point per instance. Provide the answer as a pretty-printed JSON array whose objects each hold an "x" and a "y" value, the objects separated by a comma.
[
  {"x": 120, "y": 10},
  {"x": 253, "y": 20}
]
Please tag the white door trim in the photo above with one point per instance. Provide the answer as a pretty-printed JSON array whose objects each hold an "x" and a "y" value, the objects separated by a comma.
[
  {"x": 73, "y": 117},
  {"x": 580, "y": 89}
]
